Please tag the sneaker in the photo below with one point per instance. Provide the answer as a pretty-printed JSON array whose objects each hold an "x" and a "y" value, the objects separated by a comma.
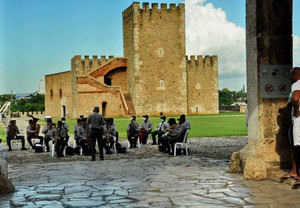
[
  {"x": 9, "y": 149},
  {"x": 93, "y": 159},
  {"x": 101, "y": 158},
  {"x": 23, "y": 148}
]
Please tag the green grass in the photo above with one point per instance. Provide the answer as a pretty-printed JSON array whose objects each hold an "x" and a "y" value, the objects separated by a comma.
[{"x": 224, "y": 124}]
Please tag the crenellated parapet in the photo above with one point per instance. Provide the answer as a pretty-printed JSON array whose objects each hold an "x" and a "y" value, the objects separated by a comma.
[
  {"x": 155, "y": 7},
  {"x": 86, "y": 64},
  {"x": 200, "y": 62}
]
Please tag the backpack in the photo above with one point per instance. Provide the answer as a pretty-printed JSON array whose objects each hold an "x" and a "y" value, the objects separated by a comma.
[
  {"x": 121, "y": 148},
  {"x": 38, "y": 148},
  {"x": 70, "y": 150}
]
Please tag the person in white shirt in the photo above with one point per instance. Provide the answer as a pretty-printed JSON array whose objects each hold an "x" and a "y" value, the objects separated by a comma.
[
  {"x": 160, "y": 130},
  {"x": 295, "y": 140}
]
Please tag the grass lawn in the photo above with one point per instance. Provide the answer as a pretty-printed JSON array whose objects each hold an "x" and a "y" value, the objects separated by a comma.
[{"x": 224, "y": 124}]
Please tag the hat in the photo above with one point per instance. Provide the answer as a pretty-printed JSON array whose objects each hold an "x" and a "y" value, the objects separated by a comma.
[
  {"x": 145, "y": 116},
  {"x": 172, "y": 121}
]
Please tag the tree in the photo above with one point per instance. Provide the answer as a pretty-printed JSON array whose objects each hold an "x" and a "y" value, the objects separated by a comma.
[
  {"x": 34, "y": 103},
  {"x": 225, "y": 97}
]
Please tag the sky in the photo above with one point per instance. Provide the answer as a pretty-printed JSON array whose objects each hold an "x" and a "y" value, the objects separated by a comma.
[{"x": 39, "y": 37}]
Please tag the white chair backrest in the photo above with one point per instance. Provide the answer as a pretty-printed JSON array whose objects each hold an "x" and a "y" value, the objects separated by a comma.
[{"x": 185, "y": 136}]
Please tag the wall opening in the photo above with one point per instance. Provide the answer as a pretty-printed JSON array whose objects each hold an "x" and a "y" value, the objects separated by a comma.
[
  {"x": 104, "y": 104},
  {"x": 197, "y": 110},
  {"x": 64, "y": 111},
  {"x": 107, "y": 81},
  {"x": 51, "y": 93},
  {"x": 60, "y": 93}
]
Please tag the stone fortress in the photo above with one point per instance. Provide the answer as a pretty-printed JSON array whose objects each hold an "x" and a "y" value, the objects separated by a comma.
[{"x": 155, "y": 76}]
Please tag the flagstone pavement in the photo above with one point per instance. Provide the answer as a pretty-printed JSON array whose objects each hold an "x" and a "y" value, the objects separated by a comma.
[{"x": 143, "y": 177}]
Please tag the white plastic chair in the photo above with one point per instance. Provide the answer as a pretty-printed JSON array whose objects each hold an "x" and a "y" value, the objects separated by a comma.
[
  {"x": 13, "y": 141},
  {"x": 35, "y": 141},
  {"x": 182, "y": 144}
]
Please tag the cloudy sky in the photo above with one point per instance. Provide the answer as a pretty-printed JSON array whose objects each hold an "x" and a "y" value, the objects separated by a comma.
[{"x": 39, "y": 37}]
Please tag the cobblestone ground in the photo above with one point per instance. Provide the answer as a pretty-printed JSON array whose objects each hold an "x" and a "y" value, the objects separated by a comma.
[{"x": 142, "y": 177}]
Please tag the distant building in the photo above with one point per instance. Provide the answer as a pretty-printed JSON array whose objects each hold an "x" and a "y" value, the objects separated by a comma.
[
  {"x": 155, "y": 76},
  {"x": 41, "y": 87}
]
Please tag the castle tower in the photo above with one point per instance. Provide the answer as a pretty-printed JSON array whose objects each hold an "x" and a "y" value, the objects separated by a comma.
[{"x": 154, "y": 43}]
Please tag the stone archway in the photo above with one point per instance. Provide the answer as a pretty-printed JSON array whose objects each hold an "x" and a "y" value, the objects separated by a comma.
[{"x": 268, "y": 42}]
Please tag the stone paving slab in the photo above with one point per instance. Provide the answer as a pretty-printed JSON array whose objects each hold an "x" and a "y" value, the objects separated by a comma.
[{"x": 185, "y": 182}]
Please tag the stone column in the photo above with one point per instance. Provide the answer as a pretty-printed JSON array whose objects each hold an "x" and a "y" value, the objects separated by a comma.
[
  {"x": 268, "y": 42},
  {"x": 5, "y": 185}
]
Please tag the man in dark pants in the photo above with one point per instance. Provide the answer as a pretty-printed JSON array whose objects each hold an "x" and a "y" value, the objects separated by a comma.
[
  {"x": 12, "y": 132},
  {"x": 32, "y": 131},
  {"x": 96, "y": 123}
]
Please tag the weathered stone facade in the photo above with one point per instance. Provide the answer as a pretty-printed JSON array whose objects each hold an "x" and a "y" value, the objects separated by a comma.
[
  {"x": 269, "y": 42},
  {"x": 155, "y": 76}
]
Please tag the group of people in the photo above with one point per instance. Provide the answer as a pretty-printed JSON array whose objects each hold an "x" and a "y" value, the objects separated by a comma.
[
  {"x": 168, "y": 133},
  {"x": 97, "y": 129}
]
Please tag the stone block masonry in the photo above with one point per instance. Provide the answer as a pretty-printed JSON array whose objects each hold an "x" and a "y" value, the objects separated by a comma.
[{"x": 153, "y": 77}]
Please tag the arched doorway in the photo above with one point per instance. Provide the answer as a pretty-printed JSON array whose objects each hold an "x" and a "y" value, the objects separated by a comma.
[
  {"x": 104, "y": 104},
  {"x": 64, "y": 111}
]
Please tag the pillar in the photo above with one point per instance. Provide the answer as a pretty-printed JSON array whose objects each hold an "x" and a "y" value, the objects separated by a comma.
[{"x": 268, "y": 42}]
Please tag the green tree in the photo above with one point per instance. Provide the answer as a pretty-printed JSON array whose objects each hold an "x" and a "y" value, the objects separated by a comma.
[
  {"x": 34, "y": 103},
  {"x": 226, "y": 97}
]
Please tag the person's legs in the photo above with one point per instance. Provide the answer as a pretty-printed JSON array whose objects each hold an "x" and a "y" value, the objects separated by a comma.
[
  {"x": 47, "y": 139},
  {"x": 23, "y": 142},
  {"x": 41, "y": 139},
  {"x": 62, "y": 146},
  {"x": 153, "y": 134},
  {"x": 101, "y": 142},
  {"x": 172, "y": 142},
  {"x": 93, "y": 144},
  {"x": 8, "y": 139},
  {"x": 160, "y": 134},
  {"x": 29, "y": 141}
]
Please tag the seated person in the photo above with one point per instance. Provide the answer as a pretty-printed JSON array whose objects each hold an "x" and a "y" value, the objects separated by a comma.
[
  {"x": 66, "y": 127},
  {"x": 82, "y": 136},
  {"x": 133, "y": 132},
  {"x": 33, "y": 130},
  {"x": 183, "y": 127},
  {"x": 186, "y": 124},
  {"x": 75, "y": 130},
  {"x": 160, "y": 130},
  {"x": 145, "y": 130},
  {"x": 109, "y": 134},
  {"x": 50, "y": 131},
  {"x": 174, "y": 135},
  {"x": 60, "y": 139},
  {"x": 12, "y": 132}
]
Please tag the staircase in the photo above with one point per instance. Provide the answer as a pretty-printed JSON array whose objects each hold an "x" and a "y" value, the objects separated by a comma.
[
  {"x": 3, "y": 110},
  {"x": 131, "y": 110}
]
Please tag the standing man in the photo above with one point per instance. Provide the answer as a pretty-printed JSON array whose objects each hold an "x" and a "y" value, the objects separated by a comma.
[
  {"x": 160, "y": 130},
  {"x": 96, "y": 124},
  {"x": 66, "y": 127}
]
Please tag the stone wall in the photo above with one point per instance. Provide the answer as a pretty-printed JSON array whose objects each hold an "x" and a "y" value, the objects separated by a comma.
[
  {"x": 156, "y": 53},
  {"x": 202, "y": 81},
  {"x": 58, "y": 94},
  {"x": 118, "y": 78}
]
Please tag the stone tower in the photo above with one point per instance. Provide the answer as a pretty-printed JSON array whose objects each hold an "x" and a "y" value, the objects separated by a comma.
[{"x": 154, "y": 43}]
